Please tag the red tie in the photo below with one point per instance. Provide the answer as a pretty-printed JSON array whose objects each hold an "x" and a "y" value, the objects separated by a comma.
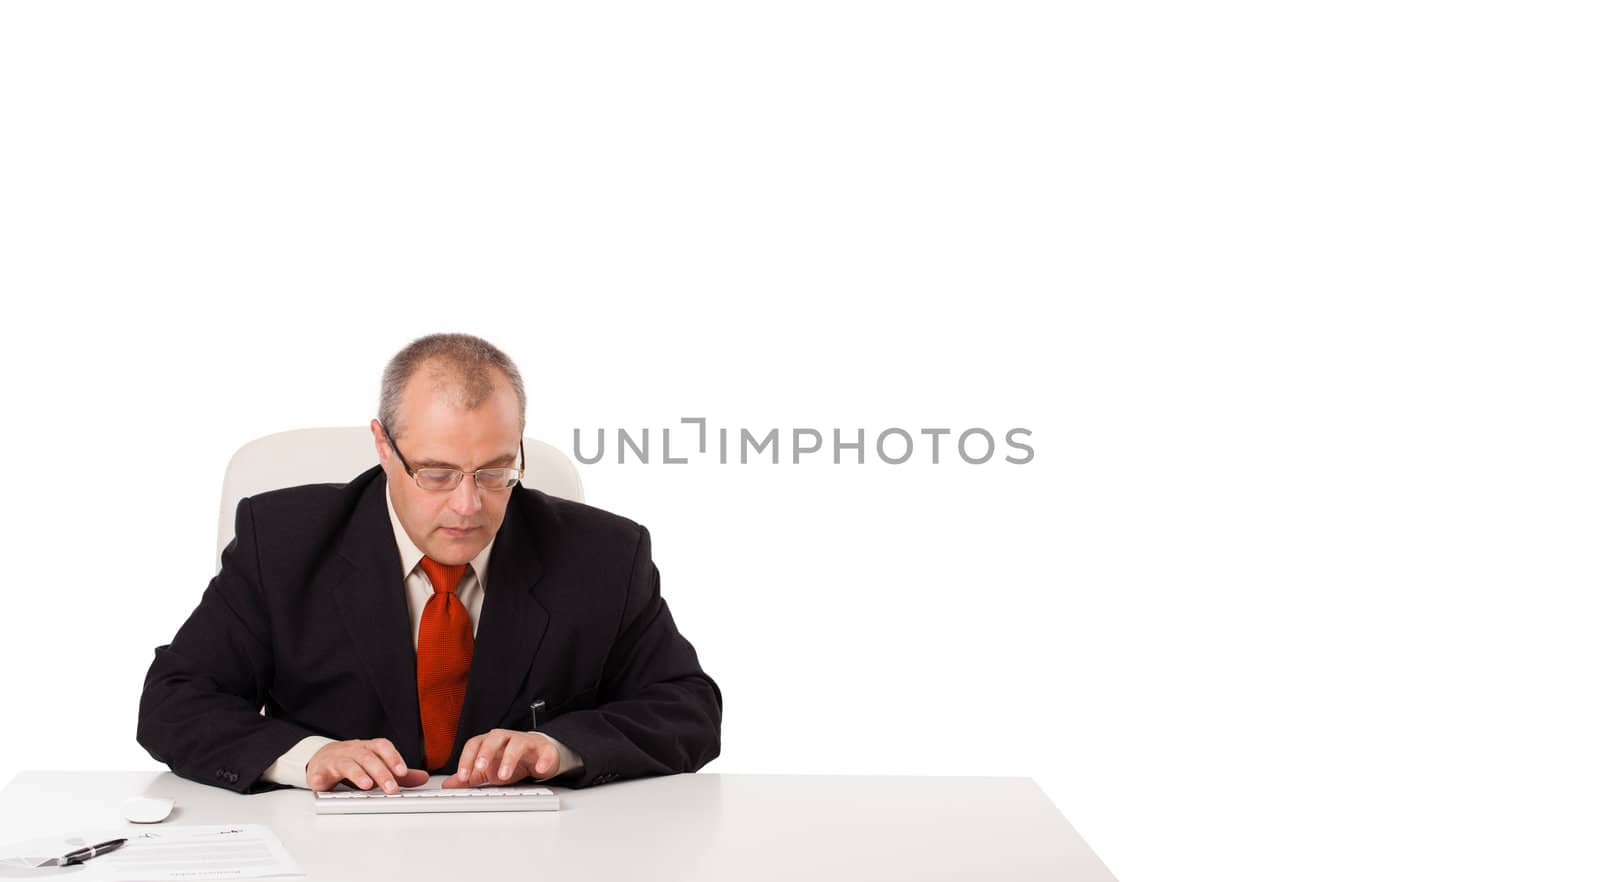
[{"x": 444, "y": 655}]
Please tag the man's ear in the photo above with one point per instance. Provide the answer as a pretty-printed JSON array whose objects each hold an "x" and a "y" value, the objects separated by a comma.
[{"x": 381, "y": 443}]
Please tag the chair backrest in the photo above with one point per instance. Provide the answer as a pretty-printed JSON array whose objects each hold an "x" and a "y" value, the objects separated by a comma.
[{"x": 334, "y": 456}]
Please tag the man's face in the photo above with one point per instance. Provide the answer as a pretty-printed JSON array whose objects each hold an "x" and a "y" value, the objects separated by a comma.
[{"x": 450, "y": 526}]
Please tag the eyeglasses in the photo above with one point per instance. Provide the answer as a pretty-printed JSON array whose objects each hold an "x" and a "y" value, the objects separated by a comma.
[{"x": 449, "y": 479}]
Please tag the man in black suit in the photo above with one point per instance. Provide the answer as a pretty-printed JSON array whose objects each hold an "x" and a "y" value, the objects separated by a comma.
[{"x": 406, "y": 622}]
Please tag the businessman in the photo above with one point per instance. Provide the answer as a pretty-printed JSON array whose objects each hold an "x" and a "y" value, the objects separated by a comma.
[{"x": 406, "y": 622}]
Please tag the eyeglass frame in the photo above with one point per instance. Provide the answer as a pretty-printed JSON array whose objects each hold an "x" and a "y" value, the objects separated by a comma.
[{"x": 459, "y": 473}]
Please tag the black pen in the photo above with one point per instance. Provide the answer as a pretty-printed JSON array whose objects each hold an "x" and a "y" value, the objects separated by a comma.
[{"x": 83, "y": 854}]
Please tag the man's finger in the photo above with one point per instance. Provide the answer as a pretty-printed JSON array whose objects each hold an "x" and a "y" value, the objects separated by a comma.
[
  {"x": 516, "y": 749},
  {"x": 546, "y": 758},
  {"x": 475, "y": 778},
  {"x": 384, "y": 748},
  {"x": 494, "y": 743},
  {"x": 469, "y": 753},
  {"x": 382, "y": 775},
  {"x": 352, "y": 772},
  {"x": 319, "y": 781},
  {"x": 416, "y": 778}
]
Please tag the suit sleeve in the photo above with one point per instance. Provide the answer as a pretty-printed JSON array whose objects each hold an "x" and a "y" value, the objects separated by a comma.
[
  {"x": 201, "y": 708},
  {"x": 658, "y": 712}
]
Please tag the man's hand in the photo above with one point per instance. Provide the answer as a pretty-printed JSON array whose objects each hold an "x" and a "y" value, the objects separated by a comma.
[
  {"x": 365, "y": 764},
  {"x": 501, "y": 756}
]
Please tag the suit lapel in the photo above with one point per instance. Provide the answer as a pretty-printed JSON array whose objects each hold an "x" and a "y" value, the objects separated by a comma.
[
  {"x": 372, "y": 602},
  {"x": 510, "y": 625}
]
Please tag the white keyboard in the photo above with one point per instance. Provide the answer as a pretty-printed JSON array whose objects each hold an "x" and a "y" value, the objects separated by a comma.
[{"x": 472, "y": 799}]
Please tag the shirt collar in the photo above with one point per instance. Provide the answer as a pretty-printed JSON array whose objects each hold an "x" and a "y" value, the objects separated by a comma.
[{"x": 411, "y": 555}]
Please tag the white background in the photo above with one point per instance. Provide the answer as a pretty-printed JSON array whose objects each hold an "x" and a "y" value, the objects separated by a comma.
[{"x": 1296, "y": 299}]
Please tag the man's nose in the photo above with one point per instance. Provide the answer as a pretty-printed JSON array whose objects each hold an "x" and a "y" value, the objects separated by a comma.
[{"x": 465, "y": 500}]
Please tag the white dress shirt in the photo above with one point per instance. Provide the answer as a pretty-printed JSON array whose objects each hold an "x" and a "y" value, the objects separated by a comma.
[{"x": 291, "y": 767}]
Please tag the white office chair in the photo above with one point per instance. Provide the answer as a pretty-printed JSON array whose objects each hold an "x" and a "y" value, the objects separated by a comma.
[{"x": 334, "y": 456}]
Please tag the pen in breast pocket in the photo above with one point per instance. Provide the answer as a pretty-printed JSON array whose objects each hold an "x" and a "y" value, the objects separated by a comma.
[{"x": 533, "y": 714}]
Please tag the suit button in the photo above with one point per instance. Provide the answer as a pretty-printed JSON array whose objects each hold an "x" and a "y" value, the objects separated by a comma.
[{"x": 220, "y": 774}]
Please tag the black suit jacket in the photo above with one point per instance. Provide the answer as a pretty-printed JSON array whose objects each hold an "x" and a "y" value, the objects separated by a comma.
[{"x": 307, "y": 619}]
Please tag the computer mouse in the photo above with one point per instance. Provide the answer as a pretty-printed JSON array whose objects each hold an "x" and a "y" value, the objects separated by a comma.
[{"x": 147, "y": 809}]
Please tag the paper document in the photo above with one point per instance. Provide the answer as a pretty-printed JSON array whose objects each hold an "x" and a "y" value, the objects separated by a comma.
[{"x": 169, "y": 854}]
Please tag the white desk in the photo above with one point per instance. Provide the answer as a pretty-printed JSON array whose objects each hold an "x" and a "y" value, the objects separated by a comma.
[{"x": 692, "y": 827}]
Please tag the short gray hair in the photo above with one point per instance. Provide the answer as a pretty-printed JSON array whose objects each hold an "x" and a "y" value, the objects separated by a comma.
[{"x": 461, "y": 363}]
